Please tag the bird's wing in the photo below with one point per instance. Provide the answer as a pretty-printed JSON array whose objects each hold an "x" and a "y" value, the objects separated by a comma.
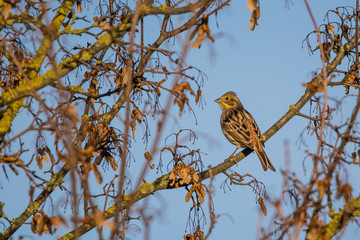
[
  {"x": 236, "y": 127},
  {"x": 257, "y": 136}
]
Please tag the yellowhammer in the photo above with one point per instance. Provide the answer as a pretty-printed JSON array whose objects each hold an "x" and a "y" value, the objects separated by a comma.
[{"x": 240, "y": 128}]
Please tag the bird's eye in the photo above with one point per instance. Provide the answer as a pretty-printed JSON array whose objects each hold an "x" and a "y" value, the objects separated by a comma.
[{"x": 227, "y": 98}]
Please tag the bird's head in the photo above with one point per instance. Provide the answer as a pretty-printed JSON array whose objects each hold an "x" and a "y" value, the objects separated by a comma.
[{"x": 229, "y": 101}]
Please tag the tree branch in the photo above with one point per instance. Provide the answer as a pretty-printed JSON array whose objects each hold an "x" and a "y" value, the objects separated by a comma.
[{"x": 64, "y": 67}]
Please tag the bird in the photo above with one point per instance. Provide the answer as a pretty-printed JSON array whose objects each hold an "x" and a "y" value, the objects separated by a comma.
[{"x": 240, "y": 128}]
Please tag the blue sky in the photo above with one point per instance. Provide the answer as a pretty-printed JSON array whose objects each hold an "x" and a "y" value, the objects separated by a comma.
[{"x": 266, "y": 68}]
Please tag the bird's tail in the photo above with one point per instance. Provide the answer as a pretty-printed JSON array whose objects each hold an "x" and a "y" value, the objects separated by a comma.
[{"x": 265, "y": 162}]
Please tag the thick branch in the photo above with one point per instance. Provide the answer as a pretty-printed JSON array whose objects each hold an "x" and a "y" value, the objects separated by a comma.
[
  {"x": 33, "y": 207},
  {"x": 8, "y": 116},
  {"x": 84, "y": 55},
  {"x": 50, "y": 34},
  {"x": 341, "y": 218}
]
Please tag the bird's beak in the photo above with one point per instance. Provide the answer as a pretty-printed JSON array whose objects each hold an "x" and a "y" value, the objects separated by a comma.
[{"x": 218, "y": 100}]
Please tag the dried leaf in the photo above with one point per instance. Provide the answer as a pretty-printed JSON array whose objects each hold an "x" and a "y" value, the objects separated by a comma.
[
  {"x": 112, "y": 161},
  {"x": 97, "y": 173},
  {"x": 57, "y": 221},
  {"x": 188, "y": 196},
  {"x": 133, "y": 127},
  {"x": 254, "y": 17},
  {"x": 39, "y": 162},
  {"x": 157, "y": 91},
  {"x": 195, "y": 177},
  {"x": 89, "y": 151},
  {"x": 41, "y": 224},
  {"x": 314, "y": 86},
  {"x": 201, "y": 199},
  {"x": 181, "y": 105},
  {"x": 185, "y": 175},
  {"x": 104, "y": 25},
  {"x": 178, "y": 88},
  {"x": 148, "y": 156},
  {"x": 330, "y": 27},
  {"x": 207, "y": 31},
  {"x": 93, "y": 89},
  {"x": 52, "y": 158},
  {"x": 79, "y": 7},
  {"x": 158, "y": 84},
  {"x": 136, "y": 114},
  {"x": 198, "y": 94},
  {"x": 172, "y": 177},
  {"x": 351, "y": 79},
  {"x": 345, "y": 191},
  {"x": 165, "y": 70},
  {"x": 201, "y": 30},
  {"x": 87, "y": 75},
  {"x": 45, "y": 157},
  {"x": 263, "y": 207},
  {"x": 201, "y": 192},
  {"x": 189, "y": 237},
  {"x": 35, "y": 222},
  {"x": 251, "y": 5},
  {"x": 98, "y": 159},
  {"x": 7, "y": 9},
  {"x": 188, "y": 87},
  {"x": 174, "y": 174},
  {"x": 126, "y": 75},
  {"x": 354, "y": 157},
  {"x": 321, "y": 186}
]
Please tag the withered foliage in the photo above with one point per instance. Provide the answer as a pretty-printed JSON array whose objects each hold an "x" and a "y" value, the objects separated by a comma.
[
  {"x": 86, "y": 83},
  {"x": 325, "y": 202},
  {"x": 81, "y": 83}
]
